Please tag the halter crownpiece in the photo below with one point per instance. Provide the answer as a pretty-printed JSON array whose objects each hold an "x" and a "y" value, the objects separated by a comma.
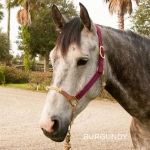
[{"x": 79, "y": 95}]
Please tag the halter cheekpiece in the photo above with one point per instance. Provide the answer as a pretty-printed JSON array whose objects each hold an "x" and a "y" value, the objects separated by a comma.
[{"x": 80, "y": 94}]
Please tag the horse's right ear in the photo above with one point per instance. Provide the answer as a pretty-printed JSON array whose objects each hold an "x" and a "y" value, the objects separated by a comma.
[{"x": 58, "y": 18}]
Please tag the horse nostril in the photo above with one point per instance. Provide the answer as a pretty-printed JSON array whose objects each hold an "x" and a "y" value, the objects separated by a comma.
[
  {"x": 56, "y": 125},
  {"x": 50, "y": 126},
  {"x": 42, "y": 129}
]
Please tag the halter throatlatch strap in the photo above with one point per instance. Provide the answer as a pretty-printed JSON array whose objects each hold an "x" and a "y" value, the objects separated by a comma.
[{"x": 69, "y": 97}]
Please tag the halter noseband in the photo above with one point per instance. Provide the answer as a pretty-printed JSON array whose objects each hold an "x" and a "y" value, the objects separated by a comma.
[{"x": 79, "y": 95}]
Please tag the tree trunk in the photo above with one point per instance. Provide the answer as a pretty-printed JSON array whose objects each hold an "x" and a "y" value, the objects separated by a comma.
[
  {"x": 46, "y": 63},
  {"x": 8, "y": 26},
  {"x": 26, "y": 59},
  {"x": 121, "y": 21}
]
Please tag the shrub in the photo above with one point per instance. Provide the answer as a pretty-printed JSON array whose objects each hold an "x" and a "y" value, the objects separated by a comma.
[
  {"x": 41, "y": 79},
  {"x": 13, "y": 75},
  {"x": 2, "y": 76}
]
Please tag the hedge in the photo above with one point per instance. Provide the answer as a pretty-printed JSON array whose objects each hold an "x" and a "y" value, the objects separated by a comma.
[{"x": 13, "y": 75}]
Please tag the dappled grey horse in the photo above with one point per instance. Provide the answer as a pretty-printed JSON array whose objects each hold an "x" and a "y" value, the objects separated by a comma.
[{"x": 75, "y": 59}]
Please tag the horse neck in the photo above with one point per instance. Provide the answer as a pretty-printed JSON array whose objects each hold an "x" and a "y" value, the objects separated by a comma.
[{"x": 126, "y": 71}]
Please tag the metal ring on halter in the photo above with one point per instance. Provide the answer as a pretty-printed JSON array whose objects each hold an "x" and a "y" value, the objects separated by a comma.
[
  {"x": 75, "y": 103},
  {"x": 100, "y": 52}
]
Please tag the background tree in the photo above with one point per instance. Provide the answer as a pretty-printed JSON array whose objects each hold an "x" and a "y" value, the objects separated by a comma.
[
  {"x": 121, "y": 7},
  {"x": 141, "y": 18},
  {"x": 24, "y": 16},
  {"x": 4, "y": 45},
  {"x": 28, "y": 10},
  {"x": 18, "y": 59},
  {"x": 8, "y": 22},
  {"x": 42, "y": 37},
  {"x": 42, "y": 32}
]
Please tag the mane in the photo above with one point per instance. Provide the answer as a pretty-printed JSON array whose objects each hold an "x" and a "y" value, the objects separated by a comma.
[
  {"x": 128, "y": 34},
  {"x": 71, "y": 33}
]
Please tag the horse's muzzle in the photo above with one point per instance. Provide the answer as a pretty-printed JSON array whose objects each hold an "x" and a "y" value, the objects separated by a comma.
[{"x": 54, "y": 129}]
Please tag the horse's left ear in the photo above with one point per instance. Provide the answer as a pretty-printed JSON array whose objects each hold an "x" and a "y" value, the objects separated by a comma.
[
  {"x": 85, "y": 18},
  {"x": 58, "y": 18}
]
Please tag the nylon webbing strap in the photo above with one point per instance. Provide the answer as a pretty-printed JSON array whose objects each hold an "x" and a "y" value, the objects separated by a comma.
[{"x": 99, "y": 70}]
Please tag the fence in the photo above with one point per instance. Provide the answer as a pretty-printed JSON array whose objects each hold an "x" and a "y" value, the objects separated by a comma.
[{"x": 37, "y": 67}]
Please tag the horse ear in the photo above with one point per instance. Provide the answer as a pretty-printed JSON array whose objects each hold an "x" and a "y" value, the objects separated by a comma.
[
  {"x": 58, "y": 18},
  {"x": 84, "y": 17}
]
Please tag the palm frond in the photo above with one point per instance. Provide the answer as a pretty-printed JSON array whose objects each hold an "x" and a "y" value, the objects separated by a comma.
[
  {"x": 120, "y": 6},
  {"x": 1, "y": 13},
  {"x": 16, "y": 3},
  {"x": 137, "y": 2}
]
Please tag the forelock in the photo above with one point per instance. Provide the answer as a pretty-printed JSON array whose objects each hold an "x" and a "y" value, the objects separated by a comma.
[{"x": 71, "y": 33}]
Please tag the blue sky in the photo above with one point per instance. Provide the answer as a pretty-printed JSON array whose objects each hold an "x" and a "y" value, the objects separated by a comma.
[{"x": 97, "y": 9}]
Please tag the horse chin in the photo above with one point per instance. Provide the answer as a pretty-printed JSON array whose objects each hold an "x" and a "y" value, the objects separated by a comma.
[{"x": 56, "y": 137}]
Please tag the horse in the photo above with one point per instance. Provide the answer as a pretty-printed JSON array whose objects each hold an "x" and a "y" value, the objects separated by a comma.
[{"x": 75, "y": 59}]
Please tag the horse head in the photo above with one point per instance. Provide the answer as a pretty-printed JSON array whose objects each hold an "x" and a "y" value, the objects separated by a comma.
[{"x": 75, "y": 61}]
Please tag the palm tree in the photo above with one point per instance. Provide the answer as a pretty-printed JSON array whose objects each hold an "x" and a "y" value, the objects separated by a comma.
[
  {"x": 8, "y": 22},
  {"x": 121, "y": 7},
  {"x": 24, "y": 17},
  {"x": 1, "y": 13},
  {"x": 29, "y": 10}
]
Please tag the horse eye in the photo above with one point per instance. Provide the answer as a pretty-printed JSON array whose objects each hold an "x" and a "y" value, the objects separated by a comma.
[{"x": 82, "y": 62}]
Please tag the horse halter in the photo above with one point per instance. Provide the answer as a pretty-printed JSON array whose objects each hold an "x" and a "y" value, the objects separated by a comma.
[
  {"x": 98, "y": 73},
  {"x": 80, "y": 94}
]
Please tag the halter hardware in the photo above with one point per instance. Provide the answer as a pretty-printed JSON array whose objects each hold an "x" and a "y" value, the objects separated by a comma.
[
  {"x": 79, "y": 95},
  {"x": 68, "y": 96},
  {"x": 101, "y": 48}
]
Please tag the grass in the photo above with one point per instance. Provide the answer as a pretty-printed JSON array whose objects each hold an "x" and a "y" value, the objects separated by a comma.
[{"x": 25, "y": 86}]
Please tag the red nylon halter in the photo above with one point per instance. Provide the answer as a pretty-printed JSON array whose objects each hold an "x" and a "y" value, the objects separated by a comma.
[
  {"x": 93, "y": 79},
  {"x": 99, "y": 70}
]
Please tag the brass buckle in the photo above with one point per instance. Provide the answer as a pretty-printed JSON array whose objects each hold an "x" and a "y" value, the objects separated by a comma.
[
  {"x": 75, "y": 103},
  {"x": 100, "y": 52}
]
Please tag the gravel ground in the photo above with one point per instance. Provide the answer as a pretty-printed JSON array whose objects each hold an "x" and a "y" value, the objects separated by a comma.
[{"x": 103, "y": 125}]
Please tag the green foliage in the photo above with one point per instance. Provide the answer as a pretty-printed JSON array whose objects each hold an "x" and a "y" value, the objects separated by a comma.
[
  {"x": 2, "y": 76},
  {"x": 40, "y": 37},
  {"x": 25, "y": 86},
  {"x": 43, "y": 79},
  {"x": 4, "y": 47},
  {"x": 67, "y": 8},
  {"x": 42, "y": 34},
  {"x": 13, "y": 75},
  {"x": 1, "y": 13},
  {"x": 25, "y": 40},
  {"x": 18, "y": 59},
  {"x": 141, "y": 18},
  {"x": 26, "y": 60}
]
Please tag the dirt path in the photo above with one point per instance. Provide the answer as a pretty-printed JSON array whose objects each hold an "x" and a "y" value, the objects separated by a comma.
[{"x": 103, "y": 122}]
